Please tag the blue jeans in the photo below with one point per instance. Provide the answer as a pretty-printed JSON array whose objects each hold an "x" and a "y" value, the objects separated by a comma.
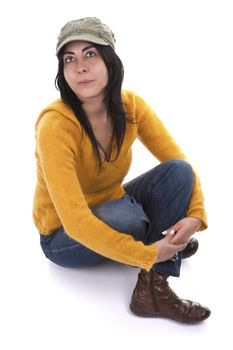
[{"x": 153, "y": 202}]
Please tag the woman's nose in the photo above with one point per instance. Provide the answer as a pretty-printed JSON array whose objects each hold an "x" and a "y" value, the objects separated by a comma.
[{"x": 81, "y": 66}]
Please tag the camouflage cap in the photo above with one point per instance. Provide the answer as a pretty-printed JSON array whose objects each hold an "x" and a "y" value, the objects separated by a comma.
[{"x": 88, "y": 29}]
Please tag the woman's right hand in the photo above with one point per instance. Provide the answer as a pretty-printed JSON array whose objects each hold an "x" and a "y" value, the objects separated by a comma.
[{"x": 165, "y": 249}]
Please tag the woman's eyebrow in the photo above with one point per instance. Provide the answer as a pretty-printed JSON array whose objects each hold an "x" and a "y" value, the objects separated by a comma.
[
  {"x": 83, "y": 50},
  {"x": 69, "y": 52}
]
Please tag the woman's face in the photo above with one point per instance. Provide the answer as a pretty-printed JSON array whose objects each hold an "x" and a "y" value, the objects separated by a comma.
[{"x": 84, "y": 70}]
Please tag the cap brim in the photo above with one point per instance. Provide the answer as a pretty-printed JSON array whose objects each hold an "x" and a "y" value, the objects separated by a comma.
[{"x": 83, "y": 37}]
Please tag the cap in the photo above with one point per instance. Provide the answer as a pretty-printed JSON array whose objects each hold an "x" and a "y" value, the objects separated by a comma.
[{"x": 88, "y": 29}]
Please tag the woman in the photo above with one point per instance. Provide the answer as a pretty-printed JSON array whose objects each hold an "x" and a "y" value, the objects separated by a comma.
[{"x": 83, "y": 149}]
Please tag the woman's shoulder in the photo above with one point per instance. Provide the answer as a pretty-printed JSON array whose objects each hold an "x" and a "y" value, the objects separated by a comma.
[
  {"x": 133, "y": 102},
  {"x": 128, "y": 96},
  {"x": 56, "y": 113}
]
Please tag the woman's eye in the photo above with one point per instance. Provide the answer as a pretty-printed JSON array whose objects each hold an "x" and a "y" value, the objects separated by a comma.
[
  {"x": 69, "y": 59},
  {"x": 90, "y": 54}
]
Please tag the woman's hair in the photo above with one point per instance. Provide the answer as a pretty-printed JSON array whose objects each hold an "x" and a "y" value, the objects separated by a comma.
[{"x": 113, "y": 100}]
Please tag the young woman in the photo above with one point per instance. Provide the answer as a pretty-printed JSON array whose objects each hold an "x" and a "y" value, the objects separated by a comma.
[{"x": 81, "y": 208}]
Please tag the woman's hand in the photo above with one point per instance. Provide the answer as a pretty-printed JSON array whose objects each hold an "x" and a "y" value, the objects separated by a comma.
[
  {"x": 166, "y": 249},
  {"x": 184, "y": 229}
]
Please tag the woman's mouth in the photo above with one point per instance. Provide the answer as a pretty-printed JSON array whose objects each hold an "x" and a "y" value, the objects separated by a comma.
[{"x": 85, "y": 82}]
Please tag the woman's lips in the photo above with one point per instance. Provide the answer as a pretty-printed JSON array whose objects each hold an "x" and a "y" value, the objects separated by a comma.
[{"x": 85, "y": 82}]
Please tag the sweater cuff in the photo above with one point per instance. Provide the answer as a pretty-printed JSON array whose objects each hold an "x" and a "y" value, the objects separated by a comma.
[{"x": 151, "y": 258}]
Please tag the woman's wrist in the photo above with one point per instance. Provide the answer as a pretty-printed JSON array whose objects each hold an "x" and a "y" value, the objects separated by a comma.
[{"x": 197, "y": 222}]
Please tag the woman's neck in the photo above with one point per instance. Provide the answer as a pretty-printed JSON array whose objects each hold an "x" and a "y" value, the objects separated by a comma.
[{"x": 95, "y": 109}]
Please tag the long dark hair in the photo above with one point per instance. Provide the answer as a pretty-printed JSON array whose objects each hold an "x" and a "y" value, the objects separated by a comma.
[{"x": 113, "y": 100}]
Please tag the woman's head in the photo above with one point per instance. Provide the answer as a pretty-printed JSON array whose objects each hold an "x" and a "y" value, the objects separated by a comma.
[{"x": 86, "y": 52}]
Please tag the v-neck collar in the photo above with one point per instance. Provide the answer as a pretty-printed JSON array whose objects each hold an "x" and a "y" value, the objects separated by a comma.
[{"x": 113, "y": 151}]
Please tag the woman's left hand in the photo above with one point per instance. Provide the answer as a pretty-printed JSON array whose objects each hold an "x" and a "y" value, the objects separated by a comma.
[{"x": 184, "y": 229}]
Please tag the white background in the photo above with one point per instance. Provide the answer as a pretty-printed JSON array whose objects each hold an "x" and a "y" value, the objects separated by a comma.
[{"x": 178, "y": 57}]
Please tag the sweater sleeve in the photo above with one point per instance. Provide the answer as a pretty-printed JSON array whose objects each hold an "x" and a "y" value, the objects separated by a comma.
[
  {"x": 153, "y": 134},
  {"x": 57, "y": 147}
]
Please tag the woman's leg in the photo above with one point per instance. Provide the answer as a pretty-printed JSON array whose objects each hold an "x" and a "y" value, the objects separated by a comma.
[
  {"x": 124, "y": 215},
  {"x": 164, "y": 192},
  {"x": 62, "y": 250}
]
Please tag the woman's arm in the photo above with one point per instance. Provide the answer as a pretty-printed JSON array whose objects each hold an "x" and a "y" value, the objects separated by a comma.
[{"x": 153, "y": 134}]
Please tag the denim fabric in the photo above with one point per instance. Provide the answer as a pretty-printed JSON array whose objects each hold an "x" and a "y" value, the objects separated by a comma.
[{"x": 153, "y": 202}]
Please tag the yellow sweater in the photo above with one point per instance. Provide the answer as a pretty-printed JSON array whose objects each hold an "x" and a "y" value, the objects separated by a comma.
[{"x": 68, "y": 183}]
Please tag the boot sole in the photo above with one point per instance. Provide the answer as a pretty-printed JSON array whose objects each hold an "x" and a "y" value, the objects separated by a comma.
[{"x": 141, "y": 314}]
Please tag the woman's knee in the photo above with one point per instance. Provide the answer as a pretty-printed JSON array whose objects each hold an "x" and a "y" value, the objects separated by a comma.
[{"x": 182, "y": 171}]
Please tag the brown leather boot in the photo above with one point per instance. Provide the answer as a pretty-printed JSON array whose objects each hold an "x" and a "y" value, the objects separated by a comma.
[{"x": 152, "y": 297}]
